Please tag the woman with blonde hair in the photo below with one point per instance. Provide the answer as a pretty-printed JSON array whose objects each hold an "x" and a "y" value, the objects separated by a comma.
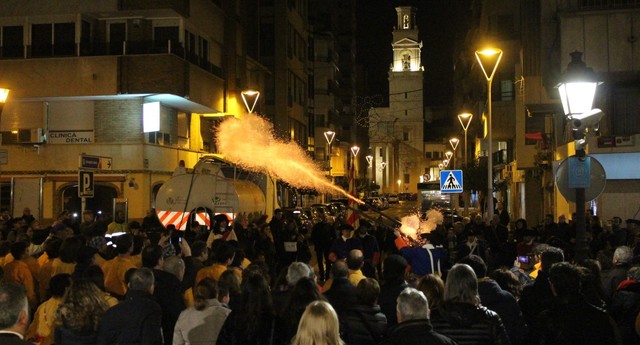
[{"x": 318, "y": 326}]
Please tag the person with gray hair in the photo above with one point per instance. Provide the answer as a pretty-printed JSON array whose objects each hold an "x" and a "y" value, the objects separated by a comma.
[
  {"x": 461, "y": 316},
  {"x": 413, "y": 321},
  {"x": 622, "y": 257},
  {"x": 175, "y": 266},
  {"x": 296, "y": 271},
  {"x": 14, "y": 314},
  {"x": 137, "y": 319}
]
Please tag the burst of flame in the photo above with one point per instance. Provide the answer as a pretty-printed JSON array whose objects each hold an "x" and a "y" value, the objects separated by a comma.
[{"x": 249, "y": 141}]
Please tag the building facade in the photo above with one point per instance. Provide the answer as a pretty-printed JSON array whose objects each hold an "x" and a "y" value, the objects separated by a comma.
[{"x": 80, "y": 74}]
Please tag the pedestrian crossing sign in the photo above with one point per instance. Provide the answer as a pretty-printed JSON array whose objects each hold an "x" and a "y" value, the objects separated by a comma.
[{"x": 451, "y": 181}]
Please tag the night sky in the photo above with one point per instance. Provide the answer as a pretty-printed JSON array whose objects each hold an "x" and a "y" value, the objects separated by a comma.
[{"x": 437, "y": 23}]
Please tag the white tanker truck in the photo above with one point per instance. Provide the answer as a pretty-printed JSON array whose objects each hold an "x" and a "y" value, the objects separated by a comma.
[{"x": 206, "y": 192}]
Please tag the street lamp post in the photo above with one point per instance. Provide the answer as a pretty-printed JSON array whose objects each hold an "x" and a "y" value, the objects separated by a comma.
[
  {"x": 329, "y": 136},
  {"x": 465, "y": 120},
  {"x": 355, "y": 149},
  {"x": 454, "y": 145},
  {"x": 490, "y": 58},
  {"x": 449, "y": 155},
  {"x": 577, "y": 91}
]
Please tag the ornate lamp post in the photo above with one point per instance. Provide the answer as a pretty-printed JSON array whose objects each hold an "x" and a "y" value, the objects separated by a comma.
[
  {"x": 489, "y": 59},
  {"x": 577, "y": 91}
]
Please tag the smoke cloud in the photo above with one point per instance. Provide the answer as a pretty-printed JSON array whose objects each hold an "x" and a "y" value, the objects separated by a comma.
[{"x": 412, "y": 226}]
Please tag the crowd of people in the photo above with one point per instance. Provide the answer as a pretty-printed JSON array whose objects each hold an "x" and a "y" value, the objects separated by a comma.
[{"x": 279, "y": 282}]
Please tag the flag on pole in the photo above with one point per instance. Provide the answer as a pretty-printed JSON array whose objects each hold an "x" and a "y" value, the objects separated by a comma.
[{"x": 352, "y": 216}]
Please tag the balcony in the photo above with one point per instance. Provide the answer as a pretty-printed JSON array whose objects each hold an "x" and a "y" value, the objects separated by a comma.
[
  {"x": 144, "y": 47},
  {"x": 502, "y": 157},
  {"x": 599, "y": 5}
]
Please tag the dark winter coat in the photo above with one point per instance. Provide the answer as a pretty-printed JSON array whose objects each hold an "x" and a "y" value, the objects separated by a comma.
[
  {"x": 625, "y": 306},
  {"x": 574, "y": 321},
  {"x": 136, "y": 320},
  {"x": 265, "y": 332},
  {"x": 536, "y": 297},
  {"x": 341, "y": 295},
  {"x": 612, "y": 278},
  {"x": 168, "y": 293},
  {"x": 504, "y": 304},
  {"x": 389, "y": 292},
  {"x": 418, "y": 332},
  {"x": 363, "y": 325},
  {"x": 466, "y": 323}
]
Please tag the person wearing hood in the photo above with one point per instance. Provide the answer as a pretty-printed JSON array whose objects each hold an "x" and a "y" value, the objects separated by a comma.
[
  {"x": 461, "y": 317},
  {"x": 502, "y": 302}
]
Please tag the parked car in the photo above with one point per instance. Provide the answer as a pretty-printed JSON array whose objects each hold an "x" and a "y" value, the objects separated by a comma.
[
  {"x": 373, "y": 202},
  {"x": 393, "y": 198},
  {"x": 323, "y": 210},
  {"x": 312, "y": 214},
  {"x": 341, "y": 207},
  {"x": 384, "y": 202},
  {"x": 297, "y": 215}
]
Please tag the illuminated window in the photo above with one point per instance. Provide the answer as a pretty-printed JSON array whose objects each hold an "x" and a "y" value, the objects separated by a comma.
[{"x": 405, "y": 21}]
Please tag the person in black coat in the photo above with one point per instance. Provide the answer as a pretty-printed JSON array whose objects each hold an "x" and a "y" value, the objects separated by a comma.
[
  {"x": 625, "y": 306},
  {"x": 394, "y": 268},
  {"x": 14, "y": 315},
  {"x": 304, "y": 292},
  {"x": 137, "y": 319},
  {"x": 167, "y": 292},
  {"x": 342, "y": 293},
  {"x": 413, "y": 322},
  {"x": 622, "y": 258},
  {"x": 461, "y": 317},
  {"x": 570, "y": 319},
  {"x": 322, "y": 236},
  {"x": 364, "y": 323},
  {"x": 253, "y": 322},
  {"x": 537, "y": 296},
  {"x": 502, "y": 302}
]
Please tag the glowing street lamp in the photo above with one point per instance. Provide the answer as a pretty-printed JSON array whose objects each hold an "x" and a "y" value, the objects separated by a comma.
[
  {"x": 329, "y": 135},
  {"x": 399, "y": 183},
  {"x": 4, "y": 94},
  {"x": 489, "y": 59},
  {"x": 465, "y": 120},
  {"x": 448, "y": 154},
  {"x": 250, "y": 99},
  {"x": 369, "y": 160},
  {"x": 354, "y": 151},
  {"x": 454, "y": 143},
  {"x": 445, "y": 163},
  {"x": 577, "y": 91},
  {"x": 440, "y": 166}
]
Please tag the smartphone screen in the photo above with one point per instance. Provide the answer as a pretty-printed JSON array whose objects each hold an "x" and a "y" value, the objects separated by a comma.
[{"x": 523, "y": 259}]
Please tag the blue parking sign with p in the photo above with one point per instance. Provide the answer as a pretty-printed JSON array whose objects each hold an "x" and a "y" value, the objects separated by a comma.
[{"x": 451, "y": 181}]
